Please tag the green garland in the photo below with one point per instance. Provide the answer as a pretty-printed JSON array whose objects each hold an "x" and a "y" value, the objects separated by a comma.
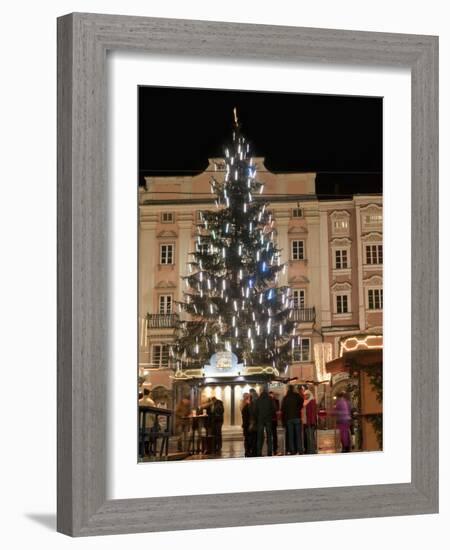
[
  {"x": 377, "y": 423},
  {"x": 375, "y": 374}
]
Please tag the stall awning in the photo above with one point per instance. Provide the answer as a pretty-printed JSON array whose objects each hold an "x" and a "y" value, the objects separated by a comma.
[{"x": 354, "y": 360}]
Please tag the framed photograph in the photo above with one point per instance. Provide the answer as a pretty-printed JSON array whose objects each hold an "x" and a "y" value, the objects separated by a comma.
[
  {"x": 247, "y": 274},
  {"x": 261, "y": 305}
]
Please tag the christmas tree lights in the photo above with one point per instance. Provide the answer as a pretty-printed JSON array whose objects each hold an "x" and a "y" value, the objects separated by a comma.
[{"x": 231, "y": 295}]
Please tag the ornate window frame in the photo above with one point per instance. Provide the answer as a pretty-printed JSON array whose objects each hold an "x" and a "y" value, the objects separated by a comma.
[
  {"x": 372, "y": 283},
  {"x": 340, "y": 216},
  {"x": 371, "y": 209},
  {"x": 341, "y": 243},
  {"x": 342, "y": 289}
]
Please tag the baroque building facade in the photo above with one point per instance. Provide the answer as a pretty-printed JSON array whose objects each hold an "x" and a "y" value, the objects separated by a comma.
[{"x": 333, "y": 250}]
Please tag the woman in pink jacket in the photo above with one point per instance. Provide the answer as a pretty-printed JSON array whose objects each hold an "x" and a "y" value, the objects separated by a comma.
[
  {"x": 343, "y": 413},
  {"x": 309, "y": 421}
]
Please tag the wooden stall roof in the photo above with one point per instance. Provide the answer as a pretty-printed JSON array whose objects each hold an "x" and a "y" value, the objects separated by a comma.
[{"x": 358, "y": 358}]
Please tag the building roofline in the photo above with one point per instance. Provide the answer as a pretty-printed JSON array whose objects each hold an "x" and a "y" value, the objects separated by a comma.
[{"x": 281, "y": 198}]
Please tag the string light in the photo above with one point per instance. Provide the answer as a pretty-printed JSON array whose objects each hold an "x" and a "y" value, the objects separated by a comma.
[{"x": 238, "y": 186}]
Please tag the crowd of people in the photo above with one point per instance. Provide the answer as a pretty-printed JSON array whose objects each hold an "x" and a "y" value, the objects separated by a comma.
[{"x": 262, "y": 415}]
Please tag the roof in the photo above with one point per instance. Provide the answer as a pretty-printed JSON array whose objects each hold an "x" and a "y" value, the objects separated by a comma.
[{"x": 355, "y": 360}]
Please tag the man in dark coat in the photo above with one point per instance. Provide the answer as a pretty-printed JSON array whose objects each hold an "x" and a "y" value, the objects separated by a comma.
[
  {"x": 252, "y": 435},
  {"x": 217, "y": 411},
  {"x": 291, "y": 407},
  {"x": 276, "y": 404},
  {"x": 265, "y": 410},
  {"x": 246, "y": 425}
]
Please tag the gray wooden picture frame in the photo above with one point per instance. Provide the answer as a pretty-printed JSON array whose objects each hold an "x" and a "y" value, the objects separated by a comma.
[{"x": 83, "y": 41}]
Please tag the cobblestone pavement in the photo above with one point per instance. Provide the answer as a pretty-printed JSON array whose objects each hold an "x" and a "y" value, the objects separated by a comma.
[{"x": 233, "y": 446}]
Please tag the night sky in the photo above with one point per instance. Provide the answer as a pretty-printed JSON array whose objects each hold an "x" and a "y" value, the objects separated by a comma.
[{"x": 339, "y": 137}]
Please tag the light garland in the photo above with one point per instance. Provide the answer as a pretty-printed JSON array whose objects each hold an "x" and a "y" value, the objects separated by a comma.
[{"x": 226, "y": 279}]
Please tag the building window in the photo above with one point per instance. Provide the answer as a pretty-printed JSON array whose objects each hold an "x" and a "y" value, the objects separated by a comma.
[
  {"x": 202, "y": 248},
  {"x": 298, "y": 250},
  {"x": 301, "y": 350},
  {"x": 166, "y": 254},
  {"x": 160, "y": 356},
  {"x": 340, "y": 226},
  {"x": 341, "y": 259},
  {"x": 298, "y": 295},
  {"x": 374, "y": 254},
  {"x": 373, "y": 219},
  {"x": 200, "y": 216},
  {"x": 375, "y": 298},
  {"x": 297, "y": 212},
  {"x": 342, "y": 303},
  {"x": 167, "y": 217},
  {"x": 165, "y": 304}
]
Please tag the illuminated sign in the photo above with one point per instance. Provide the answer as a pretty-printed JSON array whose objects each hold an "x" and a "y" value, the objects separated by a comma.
[
  {"x": 369, "y": 341},
  {"x": 223, "y": 363}
]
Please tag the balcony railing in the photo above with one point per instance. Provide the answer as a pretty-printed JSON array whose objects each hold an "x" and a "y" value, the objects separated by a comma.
[
  {"x": 304, "y": 315},
  {"x": 170, "y": 320},
  {"x": 160, "y": 320}
]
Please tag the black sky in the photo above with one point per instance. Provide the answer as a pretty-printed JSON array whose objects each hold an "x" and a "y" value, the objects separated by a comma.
[{"x": 339, "y": 137}]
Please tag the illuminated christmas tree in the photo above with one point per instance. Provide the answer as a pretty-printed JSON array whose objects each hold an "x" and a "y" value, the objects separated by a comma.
[{"x": 231, "y": 292}]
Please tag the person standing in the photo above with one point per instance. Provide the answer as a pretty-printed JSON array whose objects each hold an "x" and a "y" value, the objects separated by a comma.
[
  {"x": 246, "y": 424},
  {"x": 265, "y": 410},
  {"x": 291, "y": 410},
  {"x": 309, "y": 420},
  {"x": 342, "y": 410},
  {"x": 182, "y": 418},
  {"x": 276, "y": 405},
  {"x": 217, "y": 411},
  {"x": 244, "y": 400},
  {"x": 252, "y": 422}
]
